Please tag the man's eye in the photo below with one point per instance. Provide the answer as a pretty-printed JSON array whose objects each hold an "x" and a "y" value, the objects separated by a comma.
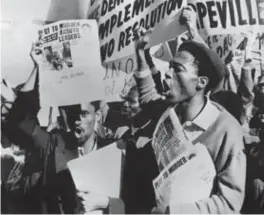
[
  {"x": 167, "y": 76},
  {"x": 84, "y": 114},
  {"x": 177, "y": 70}
]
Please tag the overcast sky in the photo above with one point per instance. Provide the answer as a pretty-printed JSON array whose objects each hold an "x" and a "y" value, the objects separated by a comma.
[{"x": 18, "y": 36}]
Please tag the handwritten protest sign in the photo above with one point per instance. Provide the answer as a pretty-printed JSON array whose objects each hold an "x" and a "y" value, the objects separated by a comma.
[
  {"x": 224, "y": 44},
  {"x": 229, "y": 16},
  {"x": 118, "y": 19},
  {"x": 118, "y": 74},
  {"x": 71, "y": 70}
]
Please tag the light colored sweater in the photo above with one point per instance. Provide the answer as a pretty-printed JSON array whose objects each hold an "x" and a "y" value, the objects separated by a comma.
[{"x": 224, "y": 141}]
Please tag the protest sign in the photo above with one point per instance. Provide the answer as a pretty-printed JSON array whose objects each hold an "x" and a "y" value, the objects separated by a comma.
[
  {"x": 100, "y": 171},
  {"x": 94, "y": 7},
  {"x": 163, "y": 52},
  {"x": 118, "y": 19},
  {"x": 186, "y": 171},
  {"x": 71, "y": 71},
  {"x": 118, "y": 77},
  {"x": 229, "y": 16},
  {"x": 118, "y": 74},
  {"x": 224, "y": 44},
  {"x": 169, "y": 142},
  {"x": 186, "y": 181}
]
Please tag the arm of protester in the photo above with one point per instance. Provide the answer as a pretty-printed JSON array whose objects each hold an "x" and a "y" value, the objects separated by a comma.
[
  {"x": 144, "y": 80},
  {"x": 93, "y": 201},
  {"x": 229, "y": 192},
  {"x": 22, "y": 119},
  {"x": 189, "y": 18},
  {"x": 246, "y": 86},
  {"x": 35, "y": 55},
  {"x": 114, "y": 119}
]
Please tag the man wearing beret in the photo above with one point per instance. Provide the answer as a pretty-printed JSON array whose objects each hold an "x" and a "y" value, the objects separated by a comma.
[{"x": 192, "y": 74}]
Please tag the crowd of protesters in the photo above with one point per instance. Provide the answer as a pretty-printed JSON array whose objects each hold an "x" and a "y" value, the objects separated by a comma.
[{"x": 230, "y": 123}]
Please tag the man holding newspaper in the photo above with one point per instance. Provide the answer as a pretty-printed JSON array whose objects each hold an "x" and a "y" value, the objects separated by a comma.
[
  {"x": 193, "y": 73},
  {"x": 200, "y": 164}
]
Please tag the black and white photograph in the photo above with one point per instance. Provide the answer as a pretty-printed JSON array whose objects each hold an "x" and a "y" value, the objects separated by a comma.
[{"x": 132, "y": 106}]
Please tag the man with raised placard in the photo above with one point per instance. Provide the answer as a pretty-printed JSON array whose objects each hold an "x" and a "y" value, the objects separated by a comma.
[{"x": 54, "y": 191}]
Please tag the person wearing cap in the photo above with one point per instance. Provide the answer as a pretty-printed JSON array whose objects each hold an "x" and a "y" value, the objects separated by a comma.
[{"x": 192, "y": 74}]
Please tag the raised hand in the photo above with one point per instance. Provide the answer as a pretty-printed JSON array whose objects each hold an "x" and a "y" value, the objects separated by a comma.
[
  {"x": 141, "y": 36},
  {"x": 36, "y": 52},
  {"x": 93, "y": 201}
]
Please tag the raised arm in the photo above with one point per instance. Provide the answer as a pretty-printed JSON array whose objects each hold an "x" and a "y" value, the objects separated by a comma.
[
  {"x": 189, "y": 18},
  {"x": 22, "y": 124},
  {"x": 143, "y": 76}
]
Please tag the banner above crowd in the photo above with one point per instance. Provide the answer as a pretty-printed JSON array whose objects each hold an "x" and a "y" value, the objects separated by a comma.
[
  {"x": 118, "y": 19},
  {"x": 229, "y": 16}
]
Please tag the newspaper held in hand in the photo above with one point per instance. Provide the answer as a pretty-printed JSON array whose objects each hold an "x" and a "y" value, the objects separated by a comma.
[{"x": 187, "y": 171}]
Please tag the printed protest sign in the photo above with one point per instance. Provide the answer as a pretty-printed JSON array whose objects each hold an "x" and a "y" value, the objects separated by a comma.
[
  {"x": 169, "y": 142},
  {"x": 229, "y": 16},
  {"x": 118, "y": 19},
  {"x": 186, "y": 180},
  {"x": 184, "y": 168},
  {"x": 71, "y": 70}
]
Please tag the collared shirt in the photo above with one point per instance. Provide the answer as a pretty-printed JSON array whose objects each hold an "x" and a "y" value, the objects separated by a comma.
[{"x": 202, "y": 122}]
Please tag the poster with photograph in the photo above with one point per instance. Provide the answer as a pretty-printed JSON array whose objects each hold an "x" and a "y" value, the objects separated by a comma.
[{"x": 71, "y": 70}]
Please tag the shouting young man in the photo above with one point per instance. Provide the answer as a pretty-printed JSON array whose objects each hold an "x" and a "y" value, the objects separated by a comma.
[{"x": 192, "y": 74}]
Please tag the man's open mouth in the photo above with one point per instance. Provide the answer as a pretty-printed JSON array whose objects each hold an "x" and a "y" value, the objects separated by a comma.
[{"x": 78, "y": 132}]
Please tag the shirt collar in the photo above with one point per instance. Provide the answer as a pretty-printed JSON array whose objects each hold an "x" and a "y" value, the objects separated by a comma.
[{"x": 207, "y": 116}]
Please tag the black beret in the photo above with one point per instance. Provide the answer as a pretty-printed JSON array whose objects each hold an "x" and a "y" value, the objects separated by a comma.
[{"x": 210, "y": 64}]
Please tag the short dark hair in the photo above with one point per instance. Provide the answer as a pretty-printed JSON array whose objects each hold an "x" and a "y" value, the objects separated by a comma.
[
  {"x": 73, "y": 111},
  {"x": 208, "y": 62},
  {"x": 96, "y": 104}
]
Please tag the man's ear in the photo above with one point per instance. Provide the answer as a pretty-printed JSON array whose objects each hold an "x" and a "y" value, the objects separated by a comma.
[{"x": 202, "y": 82}]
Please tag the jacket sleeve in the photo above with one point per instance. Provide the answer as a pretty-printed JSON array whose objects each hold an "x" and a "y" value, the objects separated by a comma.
[
  {"x": 228, "y": 195},
  {"x": 146, "y": 87},
  {"x": 151, "y": 102},
  {"x": 114, "y": 119},
  {"x": 22, "y": 123}
]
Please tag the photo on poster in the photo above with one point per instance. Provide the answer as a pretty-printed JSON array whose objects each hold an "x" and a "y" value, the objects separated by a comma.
[{"x": 57, "y": 58}]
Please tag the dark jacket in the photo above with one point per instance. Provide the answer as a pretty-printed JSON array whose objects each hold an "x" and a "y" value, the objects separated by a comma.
[
  {"x": 49, "y": 187},
  {"x": 45, "y": 177},
  {"x": 140, "y": 163}
]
